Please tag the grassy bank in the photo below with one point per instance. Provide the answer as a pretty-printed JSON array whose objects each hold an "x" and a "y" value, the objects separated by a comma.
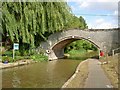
[
  {"x": 110, "y": 67},
  {"x": 82, "y": 54},
  {"x": 7, "y": 56}
]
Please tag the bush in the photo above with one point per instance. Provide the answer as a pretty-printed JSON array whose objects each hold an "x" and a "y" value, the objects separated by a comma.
[
  {"x": 75, "y": 52},
  {"x": 7, "y": 53},
  {"x": 82, "y": 55},
  {"x": 17, "y": 53},
  {"x": 39, "y": 57},
  {"x": 7, "y": 58},
  {"x": 18, "y": 58}
]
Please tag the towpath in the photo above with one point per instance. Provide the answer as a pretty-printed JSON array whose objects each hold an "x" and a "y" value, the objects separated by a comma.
[{"x": 96, "y": 77}]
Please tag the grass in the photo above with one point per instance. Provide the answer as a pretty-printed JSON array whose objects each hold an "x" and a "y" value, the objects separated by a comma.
[
  {"x": 39, "y": 57},
  {"x": 82, "y": 54},
  {"x": 111, "y": 69},
  {"x": 17, "y": 58},
  {"x": 7, "y": 57}
]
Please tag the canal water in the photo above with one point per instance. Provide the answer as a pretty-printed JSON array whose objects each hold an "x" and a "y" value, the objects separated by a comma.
[{"x": 51, "y": 74}]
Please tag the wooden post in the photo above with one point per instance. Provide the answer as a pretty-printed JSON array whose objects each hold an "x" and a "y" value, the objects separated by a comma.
[
  {"x": 99, "y": 53},
  {"x": 112, "y": 52},
  {"x": 1, "y": 53},
  {"x": 13, "y": 54}
]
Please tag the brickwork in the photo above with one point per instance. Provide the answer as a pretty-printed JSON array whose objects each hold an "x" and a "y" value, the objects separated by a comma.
[{"x": 103, "y": 39}]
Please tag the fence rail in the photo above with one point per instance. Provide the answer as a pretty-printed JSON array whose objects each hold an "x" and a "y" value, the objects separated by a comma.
[{"x": 114, "y": 51}]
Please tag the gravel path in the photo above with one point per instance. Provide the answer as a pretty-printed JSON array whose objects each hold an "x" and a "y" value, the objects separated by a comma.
[{"x": 96, "y": 77}]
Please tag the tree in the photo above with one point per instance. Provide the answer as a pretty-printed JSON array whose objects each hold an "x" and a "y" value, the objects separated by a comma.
[
  {"x": 83, "y": 24},
  {"x": 80, "y": 44},
  {"x": 86, "y": 45},
  {"x": 76, "y": 23},
  {"x": 25, "y": 21}
]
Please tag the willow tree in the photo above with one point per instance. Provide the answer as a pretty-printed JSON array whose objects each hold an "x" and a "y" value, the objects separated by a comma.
[
  {"x": 76, "y": 23},
  {"x": 26, "y": 20},
  {"x": 83, "y": 24}
]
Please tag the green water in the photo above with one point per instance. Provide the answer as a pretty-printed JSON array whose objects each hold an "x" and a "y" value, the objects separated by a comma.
[{"x": 51, "y": 74}]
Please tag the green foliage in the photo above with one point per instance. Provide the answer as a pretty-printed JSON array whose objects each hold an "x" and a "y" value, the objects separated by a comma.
[
  {"x": 83, "y": 24},
  {"x": 79, "y": 45},
  {"x": 28, "y": 23},
  {"x": 26, "y": 54},
  {"x": 10, "y": 58},
  {"x": 7, "y": 58},
  {"x": 79, "y": 50},
  {"x": 19, "y": 58},
  {"x": 27, "y": 20},
  {"x": 86, "y": 46},
  {"x": 76, "y": 52},
  {"x": 93, "y": 48},
  {"x": 76, "y": 23},
  {"x": 82, "y": 54},
  {"x": 39, "y": 57},
  {"x": 17, "y": 52},
  {"x": 7, "y": 53}
]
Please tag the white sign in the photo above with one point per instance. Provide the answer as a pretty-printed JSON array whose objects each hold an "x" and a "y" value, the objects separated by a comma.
[{"x": 16, "y": 46}]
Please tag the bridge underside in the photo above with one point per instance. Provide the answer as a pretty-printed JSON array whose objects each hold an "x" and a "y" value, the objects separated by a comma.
[{"x": 57, "y": 51}]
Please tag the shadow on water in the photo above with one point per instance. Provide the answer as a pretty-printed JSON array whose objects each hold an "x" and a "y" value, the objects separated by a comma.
[{"x": 39, "y": 75}]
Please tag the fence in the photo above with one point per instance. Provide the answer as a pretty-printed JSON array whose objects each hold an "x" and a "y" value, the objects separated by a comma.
[
  {"x": 114, "y": 51},
  {"x": 0, "y": 51}
]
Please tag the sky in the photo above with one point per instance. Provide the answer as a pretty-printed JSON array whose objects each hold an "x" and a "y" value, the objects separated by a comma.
[{"x": 99, "y": 14}]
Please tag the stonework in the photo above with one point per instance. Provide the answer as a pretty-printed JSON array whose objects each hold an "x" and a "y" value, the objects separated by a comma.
[{"x": 106, "y": 40}]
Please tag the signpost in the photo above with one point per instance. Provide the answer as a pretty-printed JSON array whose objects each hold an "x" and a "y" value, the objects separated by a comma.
[{"x": 15, "y": 47}]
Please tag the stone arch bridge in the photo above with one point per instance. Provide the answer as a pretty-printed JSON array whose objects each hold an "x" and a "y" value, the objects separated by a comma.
[{"x": 103, "y": 39}]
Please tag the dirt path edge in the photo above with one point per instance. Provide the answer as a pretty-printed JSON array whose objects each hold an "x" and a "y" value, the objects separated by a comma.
[{"x": 67, "y": 84}]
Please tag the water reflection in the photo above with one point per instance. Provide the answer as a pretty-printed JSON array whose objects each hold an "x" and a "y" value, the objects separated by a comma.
[
  {"x": 16, "y": 80},
  {"x": 51, "y": 74}
]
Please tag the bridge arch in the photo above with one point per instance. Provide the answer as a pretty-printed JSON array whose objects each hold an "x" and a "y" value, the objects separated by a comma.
[
  {"x": 105, "y": 40},
  {"x": 67, "y": 40},
  {"x": 58, "y": 48}
]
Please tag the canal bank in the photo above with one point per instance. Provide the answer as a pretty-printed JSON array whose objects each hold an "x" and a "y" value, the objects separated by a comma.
[
  {"x": 78, "y": 78},
  {"x": 53, "y": 74},
  {"x": 89, "y": 74},
  {"x": 15, "y": 64}
]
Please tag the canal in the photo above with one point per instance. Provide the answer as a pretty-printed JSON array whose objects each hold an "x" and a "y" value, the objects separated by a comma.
[{"x": 51, "y": 74}]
